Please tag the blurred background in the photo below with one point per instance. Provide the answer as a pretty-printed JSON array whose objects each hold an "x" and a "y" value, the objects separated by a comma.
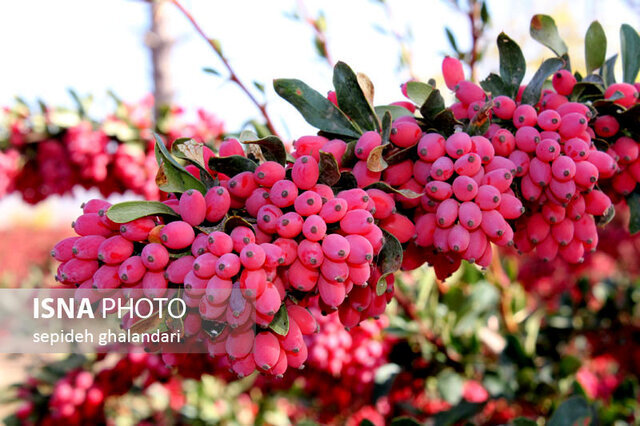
[{"x": 72, "y": 62}]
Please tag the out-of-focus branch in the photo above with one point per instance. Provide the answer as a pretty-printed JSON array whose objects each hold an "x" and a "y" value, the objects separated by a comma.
[
  {"x": 233, "y": 76},
  {"x": 500, "y": 277},
  {"x": 319, "y": 29},
  {"x": 160, "y": 43},
  {"x": 478, "y": 16}
]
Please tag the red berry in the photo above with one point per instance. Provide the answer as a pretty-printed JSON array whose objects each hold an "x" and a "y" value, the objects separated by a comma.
[
  {"x": 178, "y": 269},
  {"x": 305, "y": 172},
  {"x": 90, "y": 224},
  {"x": 230, "y": 147},
  {"x": 289, "y": 225},
  {"x": 627, "y": 93},
  {"x": 606, "y": 126},
  {"x": 336, "y": 247},
  {"x": 310, "y": 254},
  {"x": 302, "y": 277},
  {"x": 442, "y": 169},
  {"x": 504, "y": 107},
  {"x": 241, "y": 236},
  {"x": 227, "y": 266},
  {"x": 218, "y": 202},
  {"x": 470, "y": 215},
  {"x": 154, "y": 256},
  {"x": 452, "y": 72},
  {"x": 357, "y": 222},
  {"x": 268, "y": 173},
  {"x": 405, "y": 134},
  {"x": 219, "y": 243},
  {"x": 283, "y": 193},
  {"x": 363, "y": 175},
  {"x": 309, "y": 145},
  {"x": 468, "y": 92},
  {"x": 193, "y": 207},
  {"x": 524, "y": 115},
  {"x": 549, "y": 120},
  {"x": 447, "y": 213},
  {"x": 308, "y": 203},
  {"x": 488, "y": 197},
  {"x": 563, "y": 82},
  {"x": 289, "y": 250},
  {"x": 458, "y": 144},
  {"x": 83, "y": 247},
  {"x": 397, "y": 225},
  {"x": 366, "y": 143},
  {"x": 398, "y": 174},
  {"x": 115, "y": 250},
  {"x": 314, "y": 228},
  {"x": 431, "y": 147},
  {"x": 132, "y": 270}
]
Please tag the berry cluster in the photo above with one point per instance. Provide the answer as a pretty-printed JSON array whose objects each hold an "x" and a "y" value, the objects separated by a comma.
[
  {"x": 49, "y": 154},
  {"x": 295, "y": 237}
]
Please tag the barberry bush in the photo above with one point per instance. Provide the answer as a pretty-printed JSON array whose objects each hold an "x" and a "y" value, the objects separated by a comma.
[{"x": 289, "y": 259}]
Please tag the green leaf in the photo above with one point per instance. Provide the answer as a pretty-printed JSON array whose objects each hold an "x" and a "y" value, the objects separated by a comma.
[
  {"x": 595, "y": 47},
  {"x": 315, "y": 108},
  {"x": 387, "y": 121},
  {"x": 533, "y": 91},
  {"x": 543, "y": 29},
  {"x": 523, "y": 421},
  {"x": 512, "y": 63},
  {"x": 396, "y": 111},
  {"x": 383, "y": 186},
  {"x": 389, "y": 260},
  {"x": 280, "y": 322},
  {"x": 404, "y": 421},
  {"x": 452, "y": 40},
  {"x": 232, "y": 165},
  {"x": 233, "y": 222},
  {"x": 495, "y": 85},
  {"x": 607, "y": 71},
  {"x": 450, "y": 386},
  {"x": 272, "y": 148},
  {"x": 192, "y": 151},
  {"x": 633, "y": 200},
  {"x": 172, "y": 176},
  {"x": 366, "y": 422},
  {"x": 347, "y": 181},
  {"x": 352, "y": 99},
  {"x": 210, "y": 70},
  {"x": 462, "y": 411},
  {"x": 433, "y": 105},
  {"x": 630, "y": 52},
  {"x": 329, "y": 170},
  {"x": 570, "y": 412},
  {"x": 131, "y": 210},
  {"x": 418, "y": 92}
]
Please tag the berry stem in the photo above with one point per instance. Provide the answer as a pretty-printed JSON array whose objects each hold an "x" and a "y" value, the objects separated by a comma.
[
  {"x": 318, "y": 30},
  {"x": 232, "y": 74}
]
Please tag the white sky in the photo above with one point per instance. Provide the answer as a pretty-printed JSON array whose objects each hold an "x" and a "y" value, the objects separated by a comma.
[{"x": 93, "y": 46}]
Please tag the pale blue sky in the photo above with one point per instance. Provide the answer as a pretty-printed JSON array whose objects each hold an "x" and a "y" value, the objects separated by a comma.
[{"x": 93, "y": 46}]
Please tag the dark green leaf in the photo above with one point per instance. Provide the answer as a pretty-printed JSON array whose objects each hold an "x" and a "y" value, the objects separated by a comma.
[
  {"x": 213, "y": 328},
  {"x": 570, "y": 412},
  {"x": 347, "y": 181},
  {"x": 543, "y": 29},
  {"x": 383, "y": 379},
  {"x": 259, "y": 86},
  {"x": 366, "y": 422},
  {"x": 349, "y": 158},
  {"x": 452, "y": 40},
  {"x": 445, "y": 122},
  {"x": 402, "y": 155},
  {"x": 630, "y": 53},
  {"x": 595, "y": 46},
  {"x": 329, "y": 170},
  {"x": 484, "y": 13},
  {"x": 462, "y": 411},
  {"x": 192, "y": 151},
  {"x": 389, "y": 260},
  {"x": 396, "y": 111},
  {"x": 233, "y": 222},
  {"x": 633, "y": 200},
  {"x": 630, "y": 119},
  {"x": 232, "y": 165},
  {"x": 418, "y": 92},
  {"x": 587, "y": 91},
  {"x": 172, "y": 176},
  {"x": 433, "y": 105},
  {"x": 533, "y": 91},
  {"x": 131, "y": 210},
  {"x": 383, "y": 186},
  {"x": 272, "y": 148},
  {"x": 512, "y": 63},
  {"x": 404, "y": 421},
  {"x": 210, "y": 70},
  {"x": 495, "y": 85},
  {"x": 523, "y": 421},
  {"x": 280, "y": 322},
  {"x": 607, "y": 71},
  {"x": 352, "y": 99},
  {"x": 387, "y": 121},
  {"x": 516, "y": 353},
  {"x": 315, "y": 108},
  {"x": 606, "y": 217}
]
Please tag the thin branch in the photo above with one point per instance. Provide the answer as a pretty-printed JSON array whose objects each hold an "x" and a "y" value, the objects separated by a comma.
[
  {"x": 406, "y": 54},
  {"x": 232, "y": 74}
]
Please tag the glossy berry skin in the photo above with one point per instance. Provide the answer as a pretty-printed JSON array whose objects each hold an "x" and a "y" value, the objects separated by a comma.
[
  {"x": 230, "y": 147},
  {"x": 289, "y": 225},
  {"x": 431, "y": 147},
  {"x": 218, "y": 201},
  {"x": 193, "y": 207},
  {"x": 242, "y": 185},
  {"x": 305, "y": 172},
  {"x": 137, "y": 230},
  {"x": 268, "y": 173},
  {"x": 308, "y": 203},
  {"x": 458, "y": 144},
  {"x": 283, "y": 193},
  {"x": 310, "y": 253},
  {"x": 82, "y": 248},
  {"x": 115, "y": 250},
  {"x": 155, "y": 256},
  {"x": 227, "y": 266},
  {"x": 366, "y": 143},
  {"x": 336, "y": 247},
  {"x": 628, "y": 91},
  {"x": 219, "y": 243},
  {"x": 399, "y": 226},
  {"x": 405, "y": 134},
  {"x": 314, "y": 228},
  {"x": 177, "y": 235},
  {"x": 357, "y": 222},
  {"x": 563, "y": 82},
  {"x": 452, "y": 72}
]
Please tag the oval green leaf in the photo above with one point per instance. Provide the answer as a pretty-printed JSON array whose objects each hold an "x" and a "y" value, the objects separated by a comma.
[
  {"x": 512, "y": 63},
  {"x": 232, "y": 165},
  {"x": 272, "y": 149},
  {"x": 315, "y": 108},
  {"x": 595, "y": 47},
  {"x": 352, "y": 100},
  {"x": 389, "y": 260},
  {"x": 418, "y": 92},
  {"x": 280, "y": 322},
  {"x": 329, "y": 170},
  {"x": 630, "y": 52},
  {"x": 543, "y": 29},
  {"x": 131, "y": 210},
  {"x": 532, "y": 93}
]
